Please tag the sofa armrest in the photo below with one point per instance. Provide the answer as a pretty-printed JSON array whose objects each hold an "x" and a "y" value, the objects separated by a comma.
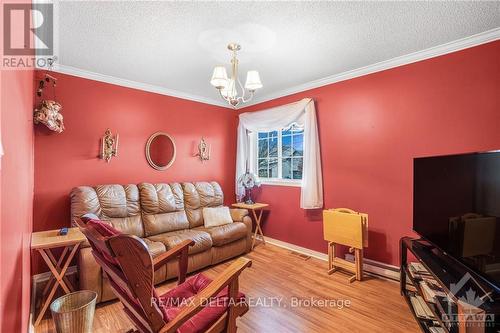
[
  {"x": 237, "y": 214},
  {"x": 247, "y": 221},
  {"x": 242, "y": 215}
]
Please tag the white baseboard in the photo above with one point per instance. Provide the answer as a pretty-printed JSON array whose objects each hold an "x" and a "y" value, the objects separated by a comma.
[
  {"x": 370, "y": 266},
  {"x": 296, "y": 248},
  {"x": 378, "y": 268}
]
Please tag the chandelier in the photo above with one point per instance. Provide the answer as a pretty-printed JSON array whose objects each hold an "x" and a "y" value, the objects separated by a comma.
[{"x": 231, "y": 89}]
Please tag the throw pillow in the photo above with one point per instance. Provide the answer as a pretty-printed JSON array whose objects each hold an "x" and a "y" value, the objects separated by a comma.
[{"x": 215, "y": 216}]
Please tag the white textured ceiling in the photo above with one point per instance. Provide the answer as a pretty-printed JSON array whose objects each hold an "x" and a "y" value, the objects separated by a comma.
[{"x": 174, "y": 45}]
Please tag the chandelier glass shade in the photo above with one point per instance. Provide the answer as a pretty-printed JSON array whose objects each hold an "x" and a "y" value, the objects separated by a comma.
[{"x": 230, "y": 88}]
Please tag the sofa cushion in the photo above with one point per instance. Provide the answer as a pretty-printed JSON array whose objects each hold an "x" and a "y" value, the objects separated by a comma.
[
  {"x": 155, "y": 248},
  {"x": 199, "y": 195},
  {"x": 131, "y": 225},
  {"x": 162, "y": 207},
  {"x": 113, "y": 200},
  {"x": 161, "y": 223},
  {"x": 225, "y": 234},
  {"x": 102, "y": 227},
  {"x": 118, "y": 204},
  {"x": 161, "y": 198},
  {"x": 202, "y": 240}
]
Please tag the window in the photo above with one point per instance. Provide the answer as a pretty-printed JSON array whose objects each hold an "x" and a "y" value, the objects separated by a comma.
[{"x": 280, "y": 155}]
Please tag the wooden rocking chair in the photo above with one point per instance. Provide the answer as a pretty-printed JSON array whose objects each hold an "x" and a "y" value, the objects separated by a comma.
[{"x": 195, "y": 305}]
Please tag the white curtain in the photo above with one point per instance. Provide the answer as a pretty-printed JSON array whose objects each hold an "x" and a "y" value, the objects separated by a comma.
[{"x": 304, "y": 114}]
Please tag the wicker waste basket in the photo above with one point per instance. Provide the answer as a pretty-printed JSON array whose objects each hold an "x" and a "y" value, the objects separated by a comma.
[{"x": 74, "y": 312}]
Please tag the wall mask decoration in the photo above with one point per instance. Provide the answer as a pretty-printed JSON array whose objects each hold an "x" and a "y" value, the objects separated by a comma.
[
  {"x": 109, "y": 146},
  {"x": 49, "y": 111},
  {"x": 160, "y": 151},
  {"x": 203, "y": 150}
]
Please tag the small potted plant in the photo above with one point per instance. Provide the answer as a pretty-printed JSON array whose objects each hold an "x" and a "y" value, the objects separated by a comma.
[{"x": 248, "y": 180}]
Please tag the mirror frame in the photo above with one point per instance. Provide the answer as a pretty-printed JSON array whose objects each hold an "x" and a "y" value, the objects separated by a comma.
[{"x": 148, "y": 155}]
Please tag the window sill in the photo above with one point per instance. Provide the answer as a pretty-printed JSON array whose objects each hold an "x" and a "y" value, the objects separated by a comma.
[{"x": 281, "y": 182}]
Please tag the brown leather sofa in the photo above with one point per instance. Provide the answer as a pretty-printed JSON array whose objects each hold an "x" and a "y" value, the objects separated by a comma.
[{"x": 163, "y": 215}]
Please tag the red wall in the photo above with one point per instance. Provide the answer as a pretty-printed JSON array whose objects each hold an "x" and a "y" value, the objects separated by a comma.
[
  {"x": 69, "y": 159},
  {"x": 370, "y": 127},
  {"x": 373, "y": 126},
  {"x": 17, "y": 91}
]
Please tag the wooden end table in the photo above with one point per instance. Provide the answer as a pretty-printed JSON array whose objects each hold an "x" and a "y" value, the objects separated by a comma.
[
  {"x": 255, "y": 207},
  {"x": 44, "y": 242}
]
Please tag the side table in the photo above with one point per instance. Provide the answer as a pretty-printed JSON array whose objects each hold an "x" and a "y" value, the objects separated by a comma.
[
  {"x": 254, "y": 208},
  {"x": 44, "y": 242}
]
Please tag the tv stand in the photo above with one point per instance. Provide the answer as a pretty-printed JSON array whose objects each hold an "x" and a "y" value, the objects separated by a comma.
[{"x": 458, "y": 301}]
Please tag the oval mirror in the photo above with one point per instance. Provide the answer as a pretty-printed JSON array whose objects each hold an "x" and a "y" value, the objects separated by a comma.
[{"x": 160, "y": 151}]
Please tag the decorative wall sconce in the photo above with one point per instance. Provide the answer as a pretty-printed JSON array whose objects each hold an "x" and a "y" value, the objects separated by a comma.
[
  {"x": 49, "y": 111},
  {"x": 109, "y": 146},
  {"x": 203, "y": 151}
]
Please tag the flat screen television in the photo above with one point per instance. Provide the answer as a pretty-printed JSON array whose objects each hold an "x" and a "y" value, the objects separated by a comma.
[{"x": 456, "y": 206}]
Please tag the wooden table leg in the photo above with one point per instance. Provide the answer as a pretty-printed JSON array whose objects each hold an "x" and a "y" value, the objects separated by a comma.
[
  {"x": 57, "y": 265},
  {"x": 331, "y": 256},
  {"x": 258, "y": 229},
  {"x": 358, "y": 257},
  {"x": 260, "y": 226},
  {"x": 55, "y": 272},
  {"x": 254, "y": 234},
  {"x": 58, "y": 273},
  {"x": 48, "y": 300}
]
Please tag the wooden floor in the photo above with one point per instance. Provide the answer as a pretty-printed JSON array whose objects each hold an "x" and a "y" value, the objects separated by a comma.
[{"x": 276, "y": 282}]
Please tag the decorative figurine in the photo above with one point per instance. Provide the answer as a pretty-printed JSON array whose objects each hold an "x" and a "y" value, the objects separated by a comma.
[
  {"x": 49, "y": 111},
  {"x": 203, "y": 150},
  {"x": 49, "y": 114},
  {"x": 109, "y": 146}
]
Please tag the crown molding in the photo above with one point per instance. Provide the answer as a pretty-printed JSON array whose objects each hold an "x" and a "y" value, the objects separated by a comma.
[
  {"x": 457, "y": 45},
  {"x": 69, "y": 70}
]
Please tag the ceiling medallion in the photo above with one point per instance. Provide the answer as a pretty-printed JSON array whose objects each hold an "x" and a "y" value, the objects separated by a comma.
[{"x": 231, "y": 89}]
